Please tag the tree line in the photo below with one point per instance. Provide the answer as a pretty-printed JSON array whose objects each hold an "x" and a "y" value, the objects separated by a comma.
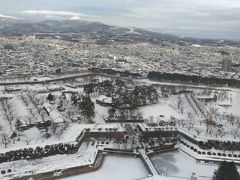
[
  {"x": 123, "y": 96},
  {"x": 38, "y": 152},
  {"x": 115, "y": 72},
  {"x": 218, "y": 145},
  {"x": 192, "y": 79}
]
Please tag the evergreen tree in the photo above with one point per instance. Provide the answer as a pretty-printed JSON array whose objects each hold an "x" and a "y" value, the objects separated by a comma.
[
  {"x": 105, "y": 87},
  {"x": 226, "y": 171},
  {"x": 145, "y": 94},
  {"x": 87, "y": 108},
  {"x": 89, "y": 88},
  {"x": 74, "y": 98},
  {"x": 44, "y": 126},
  {"x": 18, "y": 124},
  {"x": 13, "y": 135},
  {"x": 50, "y": 97},
  {"x": 60, "y": 106},
  {"x": 119, "y": 87}
]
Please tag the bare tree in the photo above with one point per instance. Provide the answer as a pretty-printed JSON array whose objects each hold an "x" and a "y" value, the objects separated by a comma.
[
  {"x": 139, "y": 116},
  {"x": 235, "y": 133},
  {"x": 5, "y": 139},
  {"x": 198, "y": 131},
  {"x": 180, "y": 104},
  {"x": 151, "y": 119},
  {"x": 54, "y": 127},
  {"x": 27, "y": 140},
  {"x": 59, "y": 132}
]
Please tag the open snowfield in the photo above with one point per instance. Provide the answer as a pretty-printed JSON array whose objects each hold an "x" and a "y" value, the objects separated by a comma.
[
  {"x": 101, "y": 113},
  {"x": 116, "y": 168},
  {"x": 161, "y": 108},
  {"x": 236, "y": 102}
]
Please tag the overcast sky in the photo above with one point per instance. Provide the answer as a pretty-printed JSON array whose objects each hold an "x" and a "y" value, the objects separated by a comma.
[{"x": 196, "y": 18}]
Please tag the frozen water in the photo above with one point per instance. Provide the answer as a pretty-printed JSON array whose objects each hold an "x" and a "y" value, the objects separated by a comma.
[
  {"x": 116, "y": 168},
  {"x": 180, "y": 164}
]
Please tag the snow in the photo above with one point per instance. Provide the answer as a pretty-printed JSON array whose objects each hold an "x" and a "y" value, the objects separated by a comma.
[
  {"x": 235, "y": 103},
  {"x": 18, "y": 107},
  {"x": 164, "y": 178},
  {"x": 161, "y": 108},
  {"x": 104, "y": 99},
  {"x": 10, "y": 17},
  {"x": 39, "y": 78},
  {"x": 101, "y": 113},
  {"x": 177, "y": 165},
  {"x": 117, "y": 168},
  {"x": 2, "y": 96},
  {"x": 53, "y": 114},
  {"x": 196, "y": 45}
]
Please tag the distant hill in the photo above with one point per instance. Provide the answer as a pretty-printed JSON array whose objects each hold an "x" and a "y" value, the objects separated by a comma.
[
  {"x": 51, "y": 26},
  {"x": 6, "y": 21},
  {"x": 11, "y": 26}
]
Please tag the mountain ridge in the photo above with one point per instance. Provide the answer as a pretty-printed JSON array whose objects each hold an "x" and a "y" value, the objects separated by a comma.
[{"x": 12, "y": 26}]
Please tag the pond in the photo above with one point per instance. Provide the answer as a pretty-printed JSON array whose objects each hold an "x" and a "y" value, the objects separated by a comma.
[
  {"x": 117, "y": 168},
  {"x": 180, "y": 164}
]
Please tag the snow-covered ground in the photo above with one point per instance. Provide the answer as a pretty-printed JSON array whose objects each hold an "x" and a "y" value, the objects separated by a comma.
[
  {"x": 162, "y": 108},
  {"x": 116, "y": 168},
  {"x": 189, "y": 120},
  {"x": 39, "y": 78},
  {"x": 101, "y": 113},
  {"x": 19, "y": 109}
]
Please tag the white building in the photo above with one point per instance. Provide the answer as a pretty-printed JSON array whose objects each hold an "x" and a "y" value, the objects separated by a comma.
[{"x": 55, "y": 116}]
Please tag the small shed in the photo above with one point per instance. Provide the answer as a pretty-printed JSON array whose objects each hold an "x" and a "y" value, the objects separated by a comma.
[{"x": 104, "y": 100}]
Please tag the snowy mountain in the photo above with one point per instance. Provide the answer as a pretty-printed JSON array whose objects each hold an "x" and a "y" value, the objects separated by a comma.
[
  {"x": 11, "y": 25},
  {"x": 6, "y": 21}
]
